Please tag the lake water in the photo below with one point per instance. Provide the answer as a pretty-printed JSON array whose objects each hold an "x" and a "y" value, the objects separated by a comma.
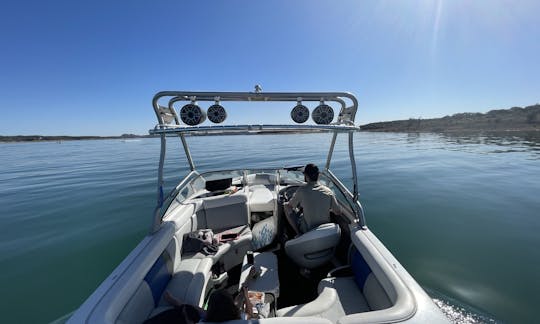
[{"x": 461, "y": 213}]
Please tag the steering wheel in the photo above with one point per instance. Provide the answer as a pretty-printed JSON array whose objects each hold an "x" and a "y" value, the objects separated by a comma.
[{"x": 286, "y": 194}]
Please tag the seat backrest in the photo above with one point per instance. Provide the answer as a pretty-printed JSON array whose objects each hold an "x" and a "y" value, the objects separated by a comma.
[
  {"x": 261, "y": 199},
  {"x": 315, "y": 247},
  {"x": 226, "y": 211},
  {"x": 148, "y": 293},
  {"x": 366, "y": 281}
]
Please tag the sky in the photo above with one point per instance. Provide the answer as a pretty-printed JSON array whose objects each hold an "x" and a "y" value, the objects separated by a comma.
[{"x": 92, "y": 67}]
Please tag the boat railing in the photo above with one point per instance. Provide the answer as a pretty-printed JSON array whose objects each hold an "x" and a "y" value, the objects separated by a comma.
[
  {"x": 249, "y": 129},
  {"x": 170, "y": 124}
]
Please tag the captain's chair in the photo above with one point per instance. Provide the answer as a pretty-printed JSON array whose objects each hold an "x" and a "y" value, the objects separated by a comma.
[{"x": 315, "y": 247}]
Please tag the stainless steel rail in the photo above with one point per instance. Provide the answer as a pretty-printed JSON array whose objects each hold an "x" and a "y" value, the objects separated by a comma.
[
  {"x": 346, "y": 114},
  {"x": 228, "y": 129},
  {"x": 169, "y": 124}
]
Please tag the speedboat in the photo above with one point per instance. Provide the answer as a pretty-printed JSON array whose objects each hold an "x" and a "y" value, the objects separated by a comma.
[{"x": 226, "y": 229}]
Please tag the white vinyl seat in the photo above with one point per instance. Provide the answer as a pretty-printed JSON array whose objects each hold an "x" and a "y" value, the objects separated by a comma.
[
  {"x": 339, "y": 297},
  {"x": 236, "y": 248},
  {"x": 261, "y": 199},
  {"x": 189, "y": 283},
  {"x": 315, "y": 247},
  {"x": 227, "y": 213}
]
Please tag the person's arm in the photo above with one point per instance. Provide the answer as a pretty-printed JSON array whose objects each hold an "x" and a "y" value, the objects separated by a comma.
[
  {"x": 289, "y": 213},
  {"x": 294, "y": 202}
]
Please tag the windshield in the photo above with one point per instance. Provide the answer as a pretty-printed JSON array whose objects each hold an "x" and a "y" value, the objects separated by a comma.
[
  {"x": 196, "y": 185},
  {"x": 258, "y": 151}
]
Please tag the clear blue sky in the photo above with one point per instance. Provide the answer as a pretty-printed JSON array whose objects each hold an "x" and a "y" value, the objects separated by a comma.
[{"x": 92, "y": 67}]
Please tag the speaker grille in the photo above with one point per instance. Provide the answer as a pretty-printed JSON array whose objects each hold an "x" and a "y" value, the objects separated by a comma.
[
  {"x": 217, "y": 114},
  {"x": 323, "y": 114},
  {"x": 300, "y": 114},
  {"x": 192, "y": 115}
]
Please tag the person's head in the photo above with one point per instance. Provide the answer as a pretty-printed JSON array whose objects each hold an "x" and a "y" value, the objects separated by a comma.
[
  {"x": 311, "y": 172},
  {"x": 221, "y": 307}
]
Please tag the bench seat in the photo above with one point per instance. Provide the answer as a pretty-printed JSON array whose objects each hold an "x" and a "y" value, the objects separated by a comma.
[
  {"x": 190, "y": 281},
  {"x": 188, "y": 284},
  {"x": 233, "y": 251},
  {"x": 342, "y": 296}
]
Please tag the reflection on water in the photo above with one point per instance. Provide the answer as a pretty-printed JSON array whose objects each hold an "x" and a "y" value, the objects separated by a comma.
[
  {"x": 461, "y": 315},
  {"x": 483, "y": 143},
  {"x": 507, "y": 142},
  {"x": 470, "y": 214},
  {"x": 461, "y": 219}
]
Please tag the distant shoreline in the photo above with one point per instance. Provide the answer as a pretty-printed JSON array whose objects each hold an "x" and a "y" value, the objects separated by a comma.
[
  {"x": 515, "y": 119},
  {"x": 41, "y": 138}
]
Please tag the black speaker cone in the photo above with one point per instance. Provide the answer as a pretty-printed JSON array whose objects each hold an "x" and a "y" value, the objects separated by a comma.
[
  {"x": 300, "y": 114},
  {"x": 192, "y": 115},
  {"x": 217, "y": 114},
  {"x": 323, "y": 114}
]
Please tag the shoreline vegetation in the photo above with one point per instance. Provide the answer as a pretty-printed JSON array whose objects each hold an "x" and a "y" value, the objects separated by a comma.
[
  {"x": 61, "y": 138},
  {"x": 515, "y": 119}
]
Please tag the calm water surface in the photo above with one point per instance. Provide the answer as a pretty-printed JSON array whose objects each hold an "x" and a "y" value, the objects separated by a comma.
[{"x": 461, "y": 213}]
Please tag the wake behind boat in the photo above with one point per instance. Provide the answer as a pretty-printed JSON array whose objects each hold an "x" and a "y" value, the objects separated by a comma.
[{"x": 227, "y": 229}]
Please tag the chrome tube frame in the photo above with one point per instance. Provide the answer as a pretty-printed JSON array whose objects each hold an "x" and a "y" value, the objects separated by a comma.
[
  {"x": 331, "y": 151},
  {"x": 345, "y": 124},
  {"x": 156, "y": 221},
  {"x": 249, "y": 129},
  {"x": 353, "y": 166},
  {"x": 188, "y": 153}
]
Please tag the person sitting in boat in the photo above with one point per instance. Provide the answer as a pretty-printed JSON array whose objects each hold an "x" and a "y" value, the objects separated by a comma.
[{"x": 316, "y": 201}]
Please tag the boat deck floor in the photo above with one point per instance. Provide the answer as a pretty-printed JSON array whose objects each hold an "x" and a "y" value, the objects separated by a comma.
[{"x": 295, "y": 288}]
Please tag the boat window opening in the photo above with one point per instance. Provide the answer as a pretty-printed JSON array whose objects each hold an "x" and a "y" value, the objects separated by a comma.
[
  {"x": 261, "y": 176},
  {"x": 217, "y": 175},
  {"x": 340, "y": 196},
  {"x": 288, "y": 177},
  {"x": 184, "y": 194}
]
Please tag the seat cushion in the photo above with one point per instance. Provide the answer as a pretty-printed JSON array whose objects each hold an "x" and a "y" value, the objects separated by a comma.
[
  {"x": 264, "y": 232},
  {"x": 231, "y": 252},
  {"x": 375, "y": 294},
  {"x": 325, "y": 305},
  {"x": 139, "y": 306},
  {"x": 189, "y": 281},
  {"x": 261, "y": 199},
  {"x": 351, "y": 298}
]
